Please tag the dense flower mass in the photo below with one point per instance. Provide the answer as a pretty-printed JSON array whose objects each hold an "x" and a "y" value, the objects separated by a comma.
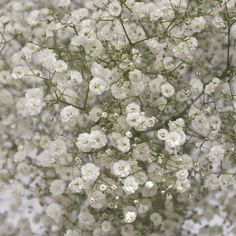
[{"x": 117, "y": 117}]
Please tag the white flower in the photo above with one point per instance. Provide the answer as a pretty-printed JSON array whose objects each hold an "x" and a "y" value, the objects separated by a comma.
[
  {"x": 135, "y": 76},
  {"x": 47, "y": 59},
  {"x": 98, "y": 139},
  {"x": 162, "y": 134},
  {"x": 130, "y": 185},
  {"x": 201, "y": 124},
  {"x": 211, "y": 87},
  {"x": 76, "y": 76},
  {"x": 167, "y": 90},
  {"x": 182, "y": 185},
  {"x": 133, "y": 108},
  {"x": 57, "y": 148},
  {"x": 33, "y": 106},
  {"x": 121, "y": 168},
  {"x": 130, "y": 217},
  {"x": 78, "y": 15},
  {"x": 106, "y": 226},
  {"x": 196, "y": 87},
  {"x": 90, "y": 172},
  {"x": 149, "y": 184},
  {"x": 32, "y": 18},
  {"x": 86, "y": 219},
  {"x": 97, "y": 86},
  {"x": 176, "y": 125},
  {"x": 76, "y": 185},
  {"x": 216, "y": 153},
  {"x": 34, "y": 93},
  {"x": 18, "y": 72},
  {"x": 225, "y": 180},
  {"x": 182, "y": 174},
  {"x": 192, "y": 43},
  {"x": 57, "y": 187},
  {"x": 69, "y": 113},
  {"x": 218, "y": 22},
  {"x": 134, "y": 119},
  {"x": 114, "y": 8},
  {"x": 156, "y": 218},
  {"x": 212, "y": 181},
  {"x": 173, "y": 139},
  {"x": 215, "y": 122},
  {"x": 97, "y": 199},
  {"x": 198, "y": 24},
  {"x": 95, "y": 114},
  {"x": 84, "y": 142},
  {"x": 123, "y": 144},
  {"x": 54, "y": 211},
  {"x": 168, "y": 63}
]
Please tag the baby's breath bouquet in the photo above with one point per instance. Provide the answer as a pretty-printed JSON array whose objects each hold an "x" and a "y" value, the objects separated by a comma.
[{"x": 117, "y": 117}]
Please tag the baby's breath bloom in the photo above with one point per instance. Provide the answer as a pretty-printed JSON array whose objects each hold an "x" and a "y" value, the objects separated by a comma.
[{"x": 90, "y": 172}]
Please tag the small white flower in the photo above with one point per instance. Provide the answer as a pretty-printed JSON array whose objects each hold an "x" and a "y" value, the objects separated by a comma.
[
  {"x": 95, "y": 114},
  {"x": 33, "y": 106},
  {"x": 121, "y": 168},
  {"x": 90, "y": 172},
  {"x": 182, "y": 174},
  {"x": 76, "y": 76},
  {"x": 212, "y": 181},
  {"x": 162, "y": 134},
  {"x": 133, "y": 108},
  {"x": 76, "y": 185},
  {"x": 69, "y": 113},
  {"x": 78, "y": 15},
  {"x": 18, "y": 72},
  {"x": 198, "y": 24},
  {"x": 182, "y": 185},
  {"x": 33, "y": 18},
  {"x": 135, "y": 76},
  {"x": 134, "y": 119},
  {"x": 216, "y": 153},
  {"x": 98, "y": 139},
  {"x": 130, "y": 217},
  {"x": 97, "y": 199},
  {"x": 173, "y": 139},
  {"x": 225, "y": 180},
  {"x": 34, "y": 93},
  {"x": 167, "y": 90},
  {"x": 114, "y": 8},
  {"x": 196, "y": 87},
  {"x": 130, "y": 185},
  {"x": 84, "y": 142},
  {"x": 97, "y": 86},
  {"x": 106, "y": 226},
  {"x": 149, "y": 184},
  {"x": 57, "y": 148},
  {"x": 123, "y": 144},
  {"x": 156, "y": 218}
]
